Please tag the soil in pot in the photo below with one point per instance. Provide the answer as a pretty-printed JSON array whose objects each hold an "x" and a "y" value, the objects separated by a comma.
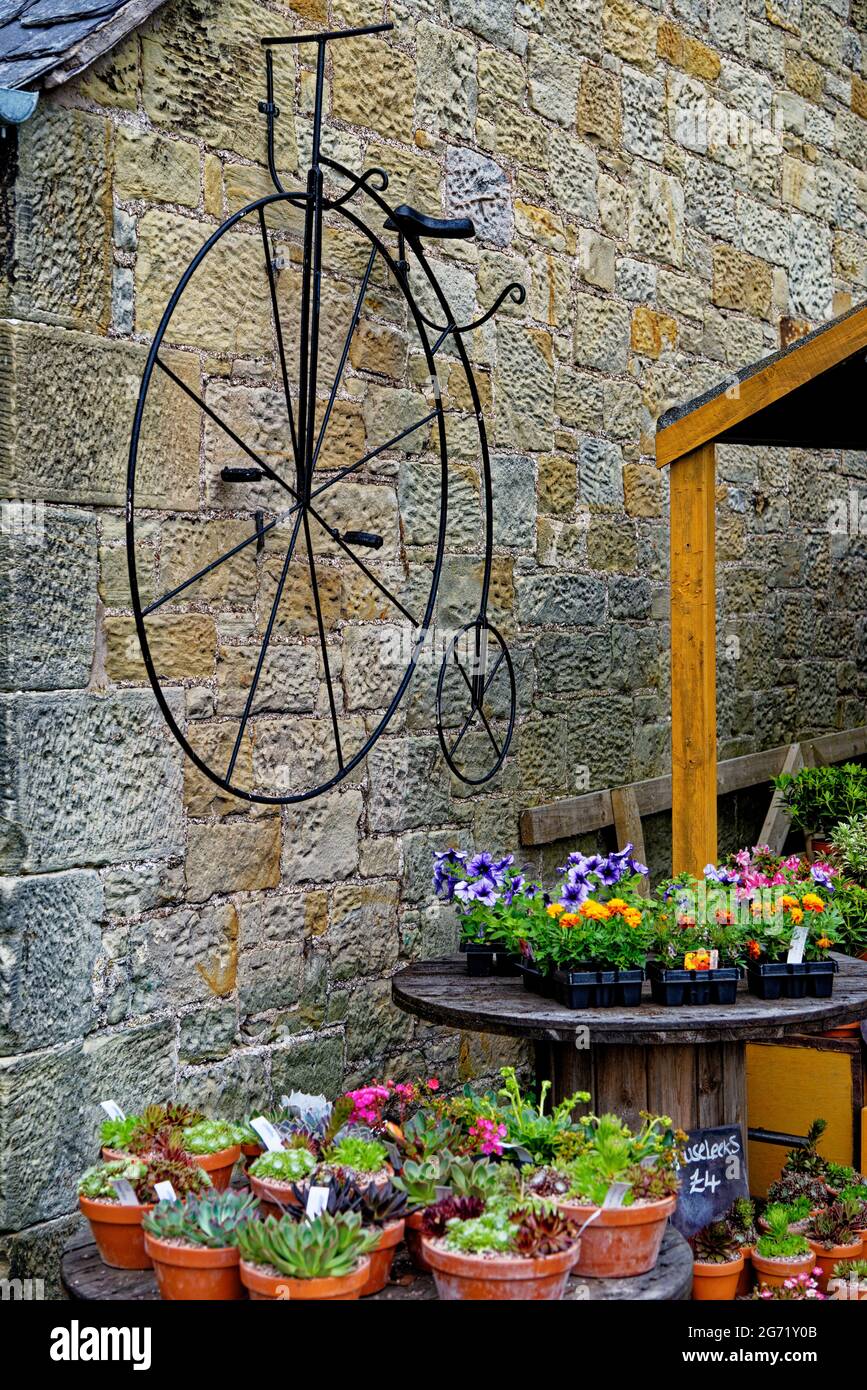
[
  {"x": 716, "y": 1282},
  {"x": 263, "y": 1282},
  {"x": 775, "y": 1270},
  {"x": 118, "y": 1233},
  {"x": 382, "y": 1258},
  {"x": 219, "y": 1166},
  {"x": 621, "y": 1241},
  {"x": 497, "y": 1277},
  {"x": 825, "y": 1259},
  {"x": 185, "y": 1271},
  {"x": 274, "y": 1194}
]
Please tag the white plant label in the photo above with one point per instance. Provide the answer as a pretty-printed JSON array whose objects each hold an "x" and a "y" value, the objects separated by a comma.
[
  {"x": 317, "y": 1201},
  {"x": 799, "y": 941},
  {"x": 615, "y": 1195},
  {"x": 267, "y": 1132},
  {"x": 165, "y": 1192},
  {"x": 125, "y": 1192},
  {"x": 112, "y": 1110}
]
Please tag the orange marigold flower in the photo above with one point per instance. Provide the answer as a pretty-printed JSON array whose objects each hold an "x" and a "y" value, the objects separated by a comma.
[
  {"x": 754, "y": 950},
  {"x": 757, "y": 909},
  {"x": 824, "y": 942},
  {"x": 632, "y": 917},
  {"x": 797, "y": 916},
  {"x": 555, "y": 909},
  {"x": 616, "y": 905},
  {"x": 812, "y": 902},
  {"x": 597, "y": 912},
  {"x": 789, "y": 901},
  {"x": 569, "y": 919}
]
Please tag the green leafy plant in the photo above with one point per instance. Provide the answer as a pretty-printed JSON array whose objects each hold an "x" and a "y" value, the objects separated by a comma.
[
  {"x": 778, "y": 1242},
  {"x": 116, "y": 1134},
  {"x": 325, "y": 1247},
  {"x": 436, "y": 1218},
  {"x": 837, "y": 1225},
  {"x": 357, "y": 1155},
  {"x": 425, "y": 1134},
  {"x": 819, "y": 798},
  {"x": 788, "y": 1187},
  {"x": 161, "y": 1125},
  {"x": 716, "y": 1244},
  {"x": 849, "y": 847},
  {"x": 143, "y": 1173},
  {"x": 742, "y": 1220},
  {"x": 479, "y": 1178},
  {"x": 843, "y": 1269},
  {"x": 212, "y": 1220},
  {"x": 209, "y": 1136},
  {"x": 646, "y": 1160},
  {"x": 284, "y": 1165},
  {"x": 492, "y": 1232},
  {"x": 850, "y": 900}
]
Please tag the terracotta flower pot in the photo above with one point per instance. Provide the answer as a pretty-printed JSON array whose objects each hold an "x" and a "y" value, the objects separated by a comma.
[
  {"x": 826, "y": 1259},
  {"x": 274, "y": 1194},
  {"x": 413, "y": 1237},
  {"x": 186, "y": 1272},
  {"x": 745, "y": 1278},
  {"x": 846, "y": 1030},
  {"x": 118, "y": 1232},
  {"x": 622, "y": 1241},
  {"x": 817, "y": 847},
  {"x": 382, "y": 1258},
  {"x": 219, "y": 1166},
  {"x": 112, "y": 1155},
  {"x": 249, "y": 1152},
  {"x": 506, "y": 1277},
  {"x": 775, "y": 1272},
  {"x": 716, "y": 1282},
  {"x": 261, "y": 1284}
]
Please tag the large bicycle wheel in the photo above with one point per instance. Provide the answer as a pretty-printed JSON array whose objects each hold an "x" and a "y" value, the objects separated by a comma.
[{"x": 292, "y": 614}]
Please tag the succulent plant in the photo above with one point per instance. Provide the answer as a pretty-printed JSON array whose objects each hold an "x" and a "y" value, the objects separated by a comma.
[
  {"x": 343, "y": 1195},
  {"x": 778, "y": 1242},
  {"x": 420, "y": 1181},
  {"x": 381, "y": 1204},
  {"x": 467, "y": 1178},
  {"x": 742, "y": 1220},
  {"x": 806, "y": 1157},
  {"x": 284, "y": 1165},
  {"x": 160, "y": 1124},
  {"x": 208, "y": 1137},
  {"x": 212, "y": 1220},
  {"x": 437, "y": 1217},
  {"x": 143, "y": 1172},
  {"x": 716, "y": 1244},
  {"x": 543, "y": 1233},
  {"x": 791, "y": 1185},
  {"x": 326, "y": 1247},
  {"x": 426, "y": 1134},
  {"x": 835, "y": 1226},
  {"x": 116, "y": 1134},
  {"x": 357, "y": 1155}
]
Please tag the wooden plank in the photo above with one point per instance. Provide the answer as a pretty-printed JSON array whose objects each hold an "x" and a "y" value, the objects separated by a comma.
[
  {"x": 777, "y": 822},
  {"x": 627, "y": 824},
  {"x": 620, "y": 1082},
  {"x": 782, "y": 375},
  {"x": 672, "y": 1084},
  {"x": 116, "y": 27},
  {"x": 693, "y": 662}
]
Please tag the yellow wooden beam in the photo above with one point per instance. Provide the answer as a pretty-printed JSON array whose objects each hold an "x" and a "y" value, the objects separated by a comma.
[
  {"x": 784, "y": 372},
  {"x": 693, "y": 661}
]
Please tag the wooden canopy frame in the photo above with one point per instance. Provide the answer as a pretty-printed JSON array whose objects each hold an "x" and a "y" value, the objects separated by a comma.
[{"x": 810, "y": 395}]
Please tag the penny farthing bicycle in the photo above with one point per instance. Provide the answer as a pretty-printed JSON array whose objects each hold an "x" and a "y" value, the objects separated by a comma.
[{"x": 293, "y": 587}]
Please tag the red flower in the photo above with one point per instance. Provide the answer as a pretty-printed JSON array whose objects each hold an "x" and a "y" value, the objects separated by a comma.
[
  {"x": 754, "y": 950},
  {"x": 433, "y": 1084}
]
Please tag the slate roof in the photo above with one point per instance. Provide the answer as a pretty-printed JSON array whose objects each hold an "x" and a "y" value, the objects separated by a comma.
[{"x": 48, "y": 41}]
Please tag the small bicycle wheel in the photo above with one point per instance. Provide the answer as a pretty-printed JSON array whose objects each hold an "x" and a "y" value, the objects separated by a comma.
[
  {"x": 292, "y": 593},
  {"x": 476, "y": 702}
]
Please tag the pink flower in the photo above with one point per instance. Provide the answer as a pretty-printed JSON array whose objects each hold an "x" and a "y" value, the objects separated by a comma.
[
  {"x": 433, "y": 1084},
  {"x": 489, "y": 1135}
]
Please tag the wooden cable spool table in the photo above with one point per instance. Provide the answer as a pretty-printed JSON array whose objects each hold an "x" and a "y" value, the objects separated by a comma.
[
  {"x": 86, "y": 1278},
  {"x": 687, "y": 1062}
]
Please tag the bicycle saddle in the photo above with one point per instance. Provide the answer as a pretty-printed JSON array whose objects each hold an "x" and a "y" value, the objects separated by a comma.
[{"x": 417, "y": 224}]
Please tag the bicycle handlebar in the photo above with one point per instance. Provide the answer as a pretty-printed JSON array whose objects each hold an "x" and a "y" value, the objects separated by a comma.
[{"x": 331, "y": 34}]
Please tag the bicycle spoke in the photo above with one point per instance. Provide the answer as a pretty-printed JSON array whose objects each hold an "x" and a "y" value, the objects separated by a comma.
[
  {"x": 359, "y": 463},
  {"x": 200, "y": 574},
  {"x": 259, "y": 664},
  {"x": 362, "y": 566},
  {"x": 478, "y": 709},
  {"x": 356, "y": 315},
  {"x": 212, "y": 414},
  {"x": 315, "y": 587},
  {"x": 272, "y": 284}
]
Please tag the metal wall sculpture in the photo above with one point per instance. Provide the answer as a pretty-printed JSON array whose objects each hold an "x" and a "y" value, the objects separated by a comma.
[{"x": 324, "y": 556}]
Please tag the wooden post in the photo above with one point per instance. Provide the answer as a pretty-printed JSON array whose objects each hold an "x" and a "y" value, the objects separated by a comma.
[{"x": 693, "y": 661}]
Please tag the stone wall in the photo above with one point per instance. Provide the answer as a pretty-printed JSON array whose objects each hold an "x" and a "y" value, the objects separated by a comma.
[{"x": 676, "y": 186}]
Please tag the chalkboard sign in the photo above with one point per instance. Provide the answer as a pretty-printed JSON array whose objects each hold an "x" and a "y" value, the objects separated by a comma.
[{"x": 713, "y": 1175}]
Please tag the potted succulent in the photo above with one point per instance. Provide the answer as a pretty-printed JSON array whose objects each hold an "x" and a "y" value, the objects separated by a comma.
[
  {"x": 804, "y": 1173},
  {"x": 697, "y": 942},
  {"x": 351, "y": 1156},
  {"x": 717, "y": 1263},
  {"x": 421, "y": 1183},
  {"x": 301, "y": 1259},
  {"x": 619, "y": 1241},
  {"x": 742, "y": 1222},
  {"x": 513, "y": 1125},
  {"x": 849, "y": 1280},
  {"x": 273, "y": 1175},
  {"x": 799, "y": 1210},
  {"x": 819, "y": 798},
  {"x": 215, "y": 1146},
  {"x": 779, "y": 1254},
  {"x": 117, "y": 1223},
  {"x": 156, "y": 1125},
  {"x": 382, "y": 1209},
  {"x": 194, "y": 1245},
  {"x": 503, "y": 1249},
  {"x": 492, "y": 898},
  {"x": 794, "y": 911},
  {"x": 833, "y": 1237}
]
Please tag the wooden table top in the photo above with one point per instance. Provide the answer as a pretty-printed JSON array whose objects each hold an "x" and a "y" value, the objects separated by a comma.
[
  {"x": 441, "y": 991},
  {"x": 86, "y": 1278}
]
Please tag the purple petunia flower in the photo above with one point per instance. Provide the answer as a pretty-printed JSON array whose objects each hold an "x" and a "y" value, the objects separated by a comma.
[{"x": 480, "y": 864}]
